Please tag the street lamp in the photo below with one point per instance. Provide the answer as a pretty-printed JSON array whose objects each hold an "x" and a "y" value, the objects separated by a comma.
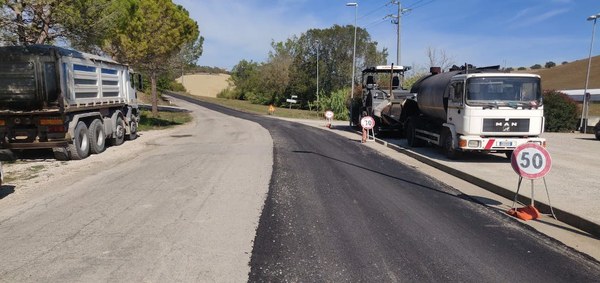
[
  {"x": 584, "y": 111},
  {"x": 318, "y": 47},
  {"x": 355, "y": 5}
]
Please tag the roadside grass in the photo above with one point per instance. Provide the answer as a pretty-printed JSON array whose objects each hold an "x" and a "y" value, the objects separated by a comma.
[
  {"x": 246, "y": 106},
  {"x": 30, "y": 173},
  {"x": 163, "y": 120},
  {"x": 594, "y": 109}
]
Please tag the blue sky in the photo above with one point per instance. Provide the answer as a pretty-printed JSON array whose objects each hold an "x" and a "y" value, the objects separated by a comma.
[{"x": 510, "y": 33}]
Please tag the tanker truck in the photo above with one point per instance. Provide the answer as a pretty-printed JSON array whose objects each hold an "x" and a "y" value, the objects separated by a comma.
[
  {"x": 69, "y": 101},
  {"x": 475, "y": 110}
]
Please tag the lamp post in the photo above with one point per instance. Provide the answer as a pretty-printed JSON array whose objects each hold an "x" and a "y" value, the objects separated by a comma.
[
  {"x": 586, "y": 101},
  {"x": 318, "y": 47},
  {"x": 355, "y": 5}
]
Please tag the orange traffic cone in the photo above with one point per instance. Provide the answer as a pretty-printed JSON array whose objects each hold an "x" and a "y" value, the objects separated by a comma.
[{"x": 525, "y": 213}]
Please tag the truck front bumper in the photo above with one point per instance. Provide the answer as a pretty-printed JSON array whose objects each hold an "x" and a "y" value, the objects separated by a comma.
[{"x": 496, "y": 144}]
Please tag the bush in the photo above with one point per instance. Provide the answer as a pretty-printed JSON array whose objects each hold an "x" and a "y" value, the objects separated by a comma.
[
  {"x": 336, "y": 103},
  {"x": 536, "y": 67},
  {"x": 560, "y": 112},
  {"x": 176, "y": 86},
  {"x": 230, "y": 93}
]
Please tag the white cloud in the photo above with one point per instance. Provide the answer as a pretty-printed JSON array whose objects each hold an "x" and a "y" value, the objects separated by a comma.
[{"x": 529, "y": 17}]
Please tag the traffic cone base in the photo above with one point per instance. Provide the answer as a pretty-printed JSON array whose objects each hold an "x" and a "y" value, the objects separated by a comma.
[{"x": 524, "y": 213}]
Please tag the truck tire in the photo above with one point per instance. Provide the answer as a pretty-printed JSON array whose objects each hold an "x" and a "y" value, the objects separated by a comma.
[
  {"x": 119, "y": 134},
  {"x": 80, "y": 147},
  {"x": 60, "y": 153},
  {"x": 448, "y": 147},
  {"x": 97, "y": 137},
  {"x": 132, "y": 131},
  {"x": 597, "y": 131},
  {"x": 411, "y": 138}
]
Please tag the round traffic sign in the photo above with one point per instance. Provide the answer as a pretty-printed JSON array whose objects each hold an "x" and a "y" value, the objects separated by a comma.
[
  {"x": 367, "y": 122},
  {"x": 531, "y": 161},
  {"x": 328, "y": 114}
]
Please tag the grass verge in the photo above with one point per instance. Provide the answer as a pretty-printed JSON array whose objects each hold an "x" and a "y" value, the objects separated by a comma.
[
  {"x": 246, "y": 106},
  {"x": 163, "y": 120}
]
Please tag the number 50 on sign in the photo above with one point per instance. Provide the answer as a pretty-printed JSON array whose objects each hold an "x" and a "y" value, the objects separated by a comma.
[{"x": 531, "y": 161}]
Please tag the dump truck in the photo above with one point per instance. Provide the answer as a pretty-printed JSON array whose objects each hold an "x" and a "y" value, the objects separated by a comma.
[
  {"x": 65, "y": 100},
  {"x": 383, "y": 98},
  {"x": 471, "y": 109}
]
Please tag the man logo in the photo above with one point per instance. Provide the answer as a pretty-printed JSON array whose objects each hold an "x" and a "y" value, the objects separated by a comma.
[{"x": 506, "y": 125}]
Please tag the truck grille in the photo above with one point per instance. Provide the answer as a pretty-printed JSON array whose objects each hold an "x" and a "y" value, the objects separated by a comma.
[{"x": 506, "y": 125}]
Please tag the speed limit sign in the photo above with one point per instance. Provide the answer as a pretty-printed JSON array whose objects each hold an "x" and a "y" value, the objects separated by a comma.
[
  {"x": 367, "y": 122},
  {"x": 328, "y": 114},
  {"x": 531, "y": 161}
]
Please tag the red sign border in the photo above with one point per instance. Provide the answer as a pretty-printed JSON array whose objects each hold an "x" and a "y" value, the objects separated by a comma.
[
  {"x": 368, "y": 117},
  {"x": 517, "y": 169},
  {"x": 329, "y": 111}
]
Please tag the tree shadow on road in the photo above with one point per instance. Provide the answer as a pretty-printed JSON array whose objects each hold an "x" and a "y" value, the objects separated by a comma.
[{"x": 6, "y": 190}]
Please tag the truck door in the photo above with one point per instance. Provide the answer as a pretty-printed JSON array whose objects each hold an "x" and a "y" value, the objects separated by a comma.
[{"x": 455, "y": 112}]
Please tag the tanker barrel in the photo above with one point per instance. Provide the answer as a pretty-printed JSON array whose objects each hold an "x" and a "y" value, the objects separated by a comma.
[{"x": 430, "y": 93}]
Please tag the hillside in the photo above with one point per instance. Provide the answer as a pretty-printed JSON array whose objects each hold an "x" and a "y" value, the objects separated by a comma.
[
  {"x": 571, "y": 75},
  {"x": 205, "y": 84}
]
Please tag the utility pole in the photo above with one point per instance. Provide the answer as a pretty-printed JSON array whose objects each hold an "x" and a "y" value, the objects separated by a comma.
[
  {"x": 318, "y": 47},
  {"x": 398, "y": 22}
]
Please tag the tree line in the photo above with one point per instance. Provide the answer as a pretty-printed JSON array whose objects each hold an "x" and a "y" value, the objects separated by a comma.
[
  {"x": 291, "y": 69},
  {"x": 152, "y": 36}
]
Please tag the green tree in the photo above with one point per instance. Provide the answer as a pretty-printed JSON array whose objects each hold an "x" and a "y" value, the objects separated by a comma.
[
  {"x": 521, "y": 68},
  {"x": 536, "y": 67},
  {"x": 245, "y": 78},
  {"x": 335, "y": 59},
  {"x": 549, "y": 64},
  {"x": 560, "y": 112},
  {"x": 83, "y": 23},
  {"x": 157, "y": 31},
  {"x": 186, "y": 57},
  {"x": 336, "y": 102}
]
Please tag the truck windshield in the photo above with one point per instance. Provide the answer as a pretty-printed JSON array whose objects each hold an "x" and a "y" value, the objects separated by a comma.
[{"x": 503, "y": 91}]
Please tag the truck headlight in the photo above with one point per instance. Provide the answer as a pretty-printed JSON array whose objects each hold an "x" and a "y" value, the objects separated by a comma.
[{"x": 474, "y": 143}]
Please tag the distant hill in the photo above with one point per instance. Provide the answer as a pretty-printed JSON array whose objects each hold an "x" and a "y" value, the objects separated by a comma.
[
  {"x": 570, "y": 75},
  {"x": 205, "y": 84}
]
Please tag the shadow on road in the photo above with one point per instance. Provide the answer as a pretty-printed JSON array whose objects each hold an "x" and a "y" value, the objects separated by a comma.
[
  {"x": 6, "y": 190},
  {"x": 28, "y": 155}
]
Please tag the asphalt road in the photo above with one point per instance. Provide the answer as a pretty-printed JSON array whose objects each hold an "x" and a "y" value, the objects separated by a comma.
[
  {"x": 178, "y": 207},
  {"x": 189, "y": 209},
  {"x": 339, "y": 211}
]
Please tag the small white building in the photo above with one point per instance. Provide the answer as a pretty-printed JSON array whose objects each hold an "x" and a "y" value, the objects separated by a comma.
[{"x": 577, "y": 94}]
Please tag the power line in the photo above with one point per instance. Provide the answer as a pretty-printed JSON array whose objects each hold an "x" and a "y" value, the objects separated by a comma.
[
  {"x": 372, "y": 11},
  {"x": 375, "y": 23},
  {"x": 414, "y": 5}
]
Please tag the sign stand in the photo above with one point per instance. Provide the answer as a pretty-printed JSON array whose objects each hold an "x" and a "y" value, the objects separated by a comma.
[
  {"x": 370, "y": 134},
  {"x": 367, "y": 123},
  {"x": 530, "y": 161},
  {"x": 329, "y": 118}
]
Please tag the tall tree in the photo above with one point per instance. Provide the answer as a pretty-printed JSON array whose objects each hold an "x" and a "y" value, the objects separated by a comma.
[
  {"x": 439, "y": 58},
  {"x": 87, "y": 24},
  {"x": 188, "y": 55},
  {"x": 335, "y": 57},
  {"x": 157, "y": 30},
  {"x": 28, "y": 21},
  {"x": 83, "y": 23}
]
